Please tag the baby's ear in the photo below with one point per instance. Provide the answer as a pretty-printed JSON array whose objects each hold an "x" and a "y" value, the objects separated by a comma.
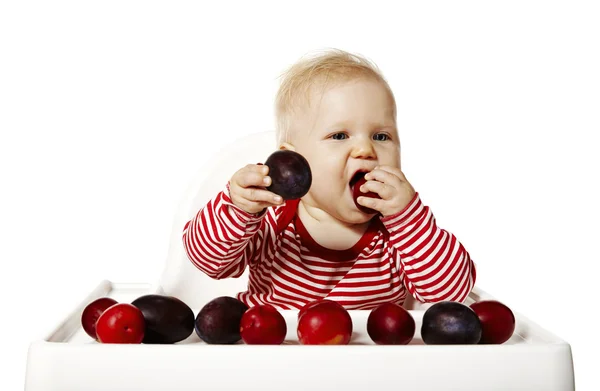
[{"x": 287, "y": 146}]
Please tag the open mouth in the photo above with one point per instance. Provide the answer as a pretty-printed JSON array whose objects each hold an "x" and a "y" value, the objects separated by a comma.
[{"x": 356, "y": 177}]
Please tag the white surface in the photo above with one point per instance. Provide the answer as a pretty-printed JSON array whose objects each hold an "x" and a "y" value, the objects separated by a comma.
[
  {"x": 109, "y": 109},
  {"x": 531, "y": 359}
]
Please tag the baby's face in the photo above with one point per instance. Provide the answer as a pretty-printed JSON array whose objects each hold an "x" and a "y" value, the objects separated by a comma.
[{"x": 351, "y": 129}]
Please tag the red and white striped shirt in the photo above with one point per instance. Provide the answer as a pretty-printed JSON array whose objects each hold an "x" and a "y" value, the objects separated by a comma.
[{"x": 399, "y": 253}]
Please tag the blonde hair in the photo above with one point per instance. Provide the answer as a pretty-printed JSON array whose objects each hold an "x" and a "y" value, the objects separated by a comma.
[{"x": 321, "y": 67}]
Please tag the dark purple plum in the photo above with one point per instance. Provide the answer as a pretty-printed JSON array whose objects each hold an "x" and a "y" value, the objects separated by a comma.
[
  {"x": 290, "y": 174},
  {"x": 218, "y": 322},
  {"x": 168, "y": 319},
  {"x": 449, "y": 323}
]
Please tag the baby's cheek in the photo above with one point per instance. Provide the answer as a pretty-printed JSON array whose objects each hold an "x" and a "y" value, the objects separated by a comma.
[{"x": 392, "y": 161}]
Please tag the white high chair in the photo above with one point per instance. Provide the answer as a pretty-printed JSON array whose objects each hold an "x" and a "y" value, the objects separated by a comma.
[
  {"x": 533, "y": 358},
  {"x": 180, "y": 277}
]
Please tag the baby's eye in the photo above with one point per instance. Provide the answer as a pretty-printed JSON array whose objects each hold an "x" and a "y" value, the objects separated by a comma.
[
  {"x": 381, "y": 137},
  {"x": 338, "y": 136}
]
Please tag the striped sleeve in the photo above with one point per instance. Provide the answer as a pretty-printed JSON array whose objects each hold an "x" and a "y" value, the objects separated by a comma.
[
  {"x": 222, "y": 239},
  {"x": 434, "y": 264}
]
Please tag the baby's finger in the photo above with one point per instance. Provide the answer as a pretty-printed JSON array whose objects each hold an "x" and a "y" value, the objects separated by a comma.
[
  {"x": 384, "y": 176},
  {"x": 252, "y": 178},
  {"x": 260, "y": 195},
  {"x": 395, "y": 171},
  {"x": 383, "y": 190},
  {"x": 260, "y": 168},
  {"x": 373, "y": 203}
]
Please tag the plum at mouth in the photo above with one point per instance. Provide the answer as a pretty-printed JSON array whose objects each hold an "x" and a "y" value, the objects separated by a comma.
[{"x": 356, "y": 178}]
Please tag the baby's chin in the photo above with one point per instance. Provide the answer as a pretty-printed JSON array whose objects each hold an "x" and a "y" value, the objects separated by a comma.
[
  {"x": 343, "y": 209},
  {"x": 345, "y": 215},
  {"x": 359, "y": 218},
  {"x": 352, "y": 216}
]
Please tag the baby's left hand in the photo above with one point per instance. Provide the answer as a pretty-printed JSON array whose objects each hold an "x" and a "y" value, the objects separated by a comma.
[{"x": 393, "y": 188}]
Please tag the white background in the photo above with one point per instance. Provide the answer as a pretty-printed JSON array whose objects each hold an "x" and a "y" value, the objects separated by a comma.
[{"x": 108, "y": 109}]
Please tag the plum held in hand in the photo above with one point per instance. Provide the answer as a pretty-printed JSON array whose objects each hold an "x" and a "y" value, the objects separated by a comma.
[
  {"x": 449, "y": 323},
  {"x": 497, "y": 321},
  {"x": 290, "y": 174},
  {"x": 390, "y": 324},
  {"x": 218, "y": 322},
  {"x": 168, "y": 319},
  {"x": 121, "y": 323},
  {"x": 92, "y": 312},
  {"x": 357, "y": 181},
  {"x": 263, "y": 325}
]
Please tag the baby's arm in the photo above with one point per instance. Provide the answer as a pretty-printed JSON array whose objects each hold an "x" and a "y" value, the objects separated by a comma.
[
  {"x": 434, "y": 263},
  {"x": 222, "y": 239},
  {"x": 229, "y": 233}
]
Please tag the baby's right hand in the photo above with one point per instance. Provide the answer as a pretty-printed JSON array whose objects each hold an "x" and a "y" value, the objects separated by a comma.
[{"x": 247, "y": 189}]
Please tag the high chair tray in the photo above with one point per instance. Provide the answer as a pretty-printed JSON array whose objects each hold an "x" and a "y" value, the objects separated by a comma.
[{"x": 68, "y": 359}]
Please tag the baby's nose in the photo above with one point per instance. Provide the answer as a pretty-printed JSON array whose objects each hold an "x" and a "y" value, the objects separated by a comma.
[{"x": 363, "y": 149}]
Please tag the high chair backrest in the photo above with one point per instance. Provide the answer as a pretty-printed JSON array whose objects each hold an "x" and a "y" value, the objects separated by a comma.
[{"x": 180, "y": 278}]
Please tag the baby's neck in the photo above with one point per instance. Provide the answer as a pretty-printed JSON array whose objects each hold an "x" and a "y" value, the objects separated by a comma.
[{"x": 328, "y": 231}]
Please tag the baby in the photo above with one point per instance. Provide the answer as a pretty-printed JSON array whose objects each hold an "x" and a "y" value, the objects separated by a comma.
[{"x": 338, "y": 111}]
